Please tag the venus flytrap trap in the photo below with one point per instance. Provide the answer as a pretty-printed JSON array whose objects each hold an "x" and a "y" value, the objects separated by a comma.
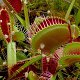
[
  {"x": 4, "y": 24},
  {"x": 46, "y": 30},
  {"x": 6, "y": 29},
  {"x": 11, "y": 5},
  {"x": 71, "y": 54}
]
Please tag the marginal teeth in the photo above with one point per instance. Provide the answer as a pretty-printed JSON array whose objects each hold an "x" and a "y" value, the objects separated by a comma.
[
  {"x": 32, "y": 31},
  {"x": 47, "y": 23},
  {"x": 43, "y": 24},
  {"x": 41, "y": 27},
  {"x": 59, "y": 20},
  {"x": 53, "y": 20},
  {"x": 35, "y": 25}
]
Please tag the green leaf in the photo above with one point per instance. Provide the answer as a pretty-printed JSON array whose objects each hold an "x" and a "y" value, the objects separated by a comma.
[
  {"x": 1, "y": 35},
  {"x": 11, "y": 54},
  {"x": 20, "y": 55},
  {"x": 1, "y": 78},
  {"x": 15, "y": 29},
  {"x": 26, "y": 15},
  {"x": 77, "y": 18},
  {"x": 61, "y": 77},
  {"x": 12, "y": 24},
  {"x": 53, "y": 77},
  {"x": 21, "y": 20},
  {"x": 69, "y": 10},
  {"x": 18, "y": 36},
  {"x": 1, "y": 61},
  {"x": 77, "y": 65},
  {"x": 32, "y": 76}
]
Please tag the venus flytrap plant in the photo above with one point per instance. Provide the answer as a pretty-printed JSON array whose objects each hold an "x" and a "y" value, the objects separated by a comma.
[
  {"x": 11, "y": 5},
  {"x": 33, "y": 60},
  {"x": 4, "y": 17},
  {"x": 8, "y": 5},
  {"x": 6, "y": 26},
  {"x": 43, "y": 38},
  {"x": 15, "y": 10},
  {"x": 11, "y": 46}
]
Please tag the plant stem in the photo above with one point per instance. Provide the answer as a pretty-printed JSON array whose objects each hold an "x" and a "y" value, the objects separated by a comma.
[
  {"x": 11, "y": 25},
  {"x": 26, "y": 15},
  {"x": 69, "y": 10}
]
